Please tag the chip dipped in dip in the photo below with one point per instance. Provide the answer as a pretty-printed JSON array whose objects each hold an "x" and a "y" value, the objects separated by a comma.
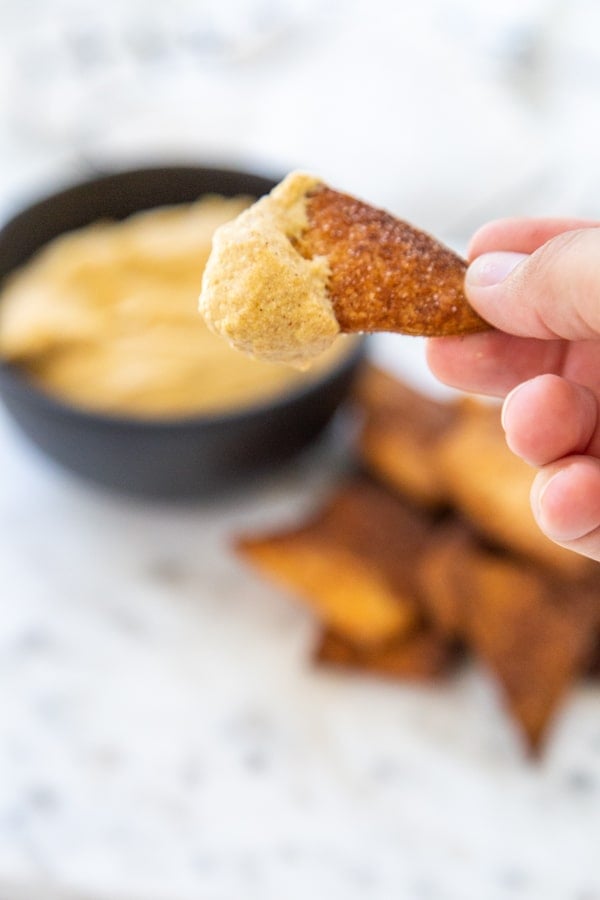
[{"x": 259, "y": 292}]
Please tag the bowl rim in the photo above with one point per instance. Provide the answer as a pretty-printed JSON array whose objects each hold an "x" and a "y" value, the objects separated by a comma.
[
  {"x": 11, "y": 374},
  {"x": 99, "y": 173}
]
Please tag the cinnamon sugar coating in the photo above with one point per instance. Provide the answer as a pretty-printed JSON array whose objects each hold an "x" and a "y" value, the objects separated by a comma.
[{"x": 385, "y": 275}]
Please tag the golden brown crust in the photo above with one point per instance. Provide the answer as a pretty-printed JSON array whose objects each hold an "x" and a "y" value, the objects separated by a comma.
[
  {"x": 534, "y": 631},
  {"x": 399, "y": 436},
  {"x": 442, "y": 580},
  {"x": 354, "y": 562},
  {"x": 420, "y": 656},
  {"x": 491, "y": 486},
  {"x": 385, "y": 275},
  {"x": 536, "y": 640}
]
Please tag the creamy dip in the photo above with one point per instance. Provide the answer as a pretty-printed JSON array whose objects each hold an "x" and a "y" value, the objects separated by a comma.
[
  {"x": 106, "y": 317},
  {"x": 259, "y": 292}
]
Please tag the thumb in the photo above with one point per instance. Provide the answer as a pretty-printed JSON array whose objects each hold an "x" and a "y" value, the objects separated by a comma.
[{"x": 551, "y": 293}]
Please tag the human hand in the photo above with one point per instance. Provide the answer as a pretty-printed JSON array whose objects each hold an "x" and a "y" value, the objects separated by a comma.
[{"x": 538, "y": 283}]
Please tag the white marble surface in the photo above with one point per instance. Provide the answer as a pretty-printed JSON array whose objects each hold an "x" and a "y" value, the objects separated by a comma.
[
  {"x": 162, "y": 734},
  {"x": 164, "y": 737}
]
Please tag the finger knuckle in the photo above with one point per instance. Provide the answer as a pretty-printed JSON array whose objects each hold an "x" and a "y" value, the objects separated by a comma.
[{"x": 561, "y": 275}]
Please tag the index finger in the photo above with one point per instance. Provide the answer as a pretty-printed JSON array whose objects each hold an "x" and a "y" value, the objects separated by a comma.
[
  {"x": 492, "y": 362},
  {"x": 521, "y": 235}
]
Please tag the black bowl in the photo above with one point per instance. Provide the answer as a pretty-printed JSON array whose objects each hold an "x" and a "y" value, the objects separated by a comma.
[{"x": 181, "y": 457}]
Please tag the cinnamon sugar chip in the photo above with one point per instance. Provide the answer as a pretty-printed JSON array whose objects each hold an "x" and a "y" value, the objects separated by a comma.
[
  {"x": 491, "y": 487},
  {"x": 385, "y": 275},
  {"x": 353, "y": 563},
  {"x": 421, "y": 656},
  {"x": 398, "y": 439},
  {"x": 306, "y": 262},
  {"x": 534, "y": 631}
]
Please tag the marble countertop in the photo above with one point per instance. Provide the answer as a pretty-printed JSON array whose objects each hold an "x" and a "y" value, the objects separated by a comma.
[{"x": 163, "y": 735}]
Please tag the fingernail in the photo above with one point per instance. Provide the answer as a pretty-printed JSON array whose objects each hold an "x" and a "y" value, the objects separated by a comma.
[
  {"x": 546, "y": 515},
  {"x": 539, "y": 500},
  {"x": 492, "y": 268},
  {"x": 565, "y": 507},
  {"x": 507, "y": 402},
  {"x": 539, "y": 496}
]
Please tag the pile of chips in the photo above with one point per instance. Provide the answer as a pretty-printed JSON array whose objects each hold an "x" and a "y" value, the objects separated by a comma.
[{"x": 429, "y": 553}]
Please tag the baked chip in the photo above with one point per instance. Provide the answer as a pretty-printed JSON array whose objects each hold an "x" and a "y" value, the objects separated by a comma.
[
  {"x": 306, "y": 263},
  {"x": 397, "y": 441},
  {"x": 536, "y": 637},
  {"x": 422, "y": 655},
  {"x": 443, "y": 580},
  {"x": 534, "y": 631},
  {"x": 491, "y": 486},
  {"x": 593, "y": 670},
  {"x": 353, "y": 563},
  {"x": 385, "y": 275}
]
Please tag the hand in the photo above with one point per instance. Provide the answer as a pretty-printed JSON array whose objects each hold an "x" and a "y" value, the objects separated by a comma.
[{"x": 538, "y": 283}]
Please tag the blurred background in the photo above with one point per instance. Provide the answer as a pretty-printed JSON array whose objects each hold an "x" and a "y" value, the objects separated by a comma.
[
  {"x": 450, "y": 112},
  {"x": 138, "y": 758}
]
